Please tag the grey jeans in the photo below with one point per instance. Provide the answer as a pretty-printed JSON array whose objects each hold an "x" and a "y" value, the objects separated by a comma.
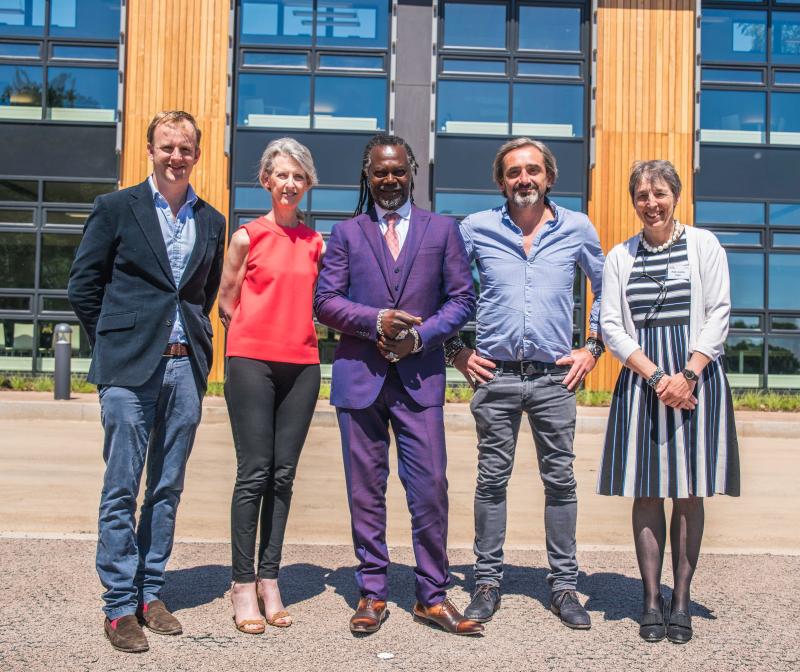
[{"x": 497, "y": 407}]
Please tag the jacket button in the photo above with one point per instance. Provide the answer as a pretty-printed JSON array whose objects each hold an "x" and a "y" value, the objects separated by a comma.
[
  {"x": 396, "y": 270},
  {"x": 168, "y": 323}
]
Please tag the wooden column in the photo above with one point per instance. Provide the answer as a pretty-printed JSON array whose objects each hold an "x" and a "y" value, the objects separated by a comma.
[
  {"x": 176, "y": 58},
  {"x": 645, "y": 110}
]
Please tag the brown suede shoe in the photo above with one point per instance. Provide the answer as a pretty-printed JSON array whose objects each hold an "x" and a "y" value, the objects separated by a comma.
[
  {"x": 158, "y": 618},
  {"x": 447, "y": 617},
  {"x": 368, "y": 616},
  {"x": 126, "y": 635}
]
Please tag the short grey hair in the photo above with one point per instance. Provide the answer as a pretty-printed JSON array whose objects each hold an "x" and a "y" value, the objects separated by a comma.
[
  {"x": 294, "y": 150},
  {"x": 654, "y": 170},
  {"x": 550, "y": 165}
]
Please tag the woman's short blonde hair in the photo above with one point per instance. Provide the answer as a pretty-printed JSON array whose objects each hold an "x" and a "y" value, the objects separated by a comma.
[{"x": 294, "y": 150}]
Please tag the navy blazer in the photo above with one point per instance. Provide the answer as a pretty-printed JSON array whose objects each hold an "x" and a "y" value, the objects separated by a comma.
[{"x": 122, "y": 290}]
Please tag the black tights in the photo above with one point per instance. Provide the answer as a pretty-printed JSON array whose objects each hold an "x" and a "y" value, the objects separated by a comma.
[{"x": 650, "y": 536}]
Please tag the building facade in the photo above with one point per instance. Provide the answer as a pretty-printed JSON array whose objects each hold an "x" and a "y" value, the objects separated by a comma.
[{"x": 714, "y": 87}]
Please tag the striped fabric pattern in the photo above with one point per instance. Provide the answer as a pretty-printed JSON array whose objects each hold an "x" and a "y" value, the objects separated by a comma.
[{"x": 670, "y": 267}]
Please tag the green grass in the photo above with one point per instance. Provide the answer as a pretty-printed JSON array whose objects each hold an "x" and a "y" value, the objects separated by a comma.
[{"x": 42, "y": 384}]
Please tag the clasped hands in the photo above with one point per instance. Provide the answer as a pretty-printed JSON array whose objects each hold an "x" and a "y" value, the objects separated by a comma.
[
  {"x": 397, "y": 340},
  {"x": 677, "y": 392}
]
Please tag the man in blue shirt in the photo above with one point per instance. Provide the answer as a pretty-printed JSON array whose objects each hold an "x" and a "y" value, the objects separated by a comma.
[{"x": 526, "y": 252}]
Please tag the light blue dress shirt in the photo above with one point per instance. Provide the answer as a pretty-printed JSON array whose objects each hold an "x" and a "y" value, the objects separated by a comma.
[
  {"x": 525, "y": 305},
  {"x": 402, "y": 225},
  {"x": 179, "y": 234}
]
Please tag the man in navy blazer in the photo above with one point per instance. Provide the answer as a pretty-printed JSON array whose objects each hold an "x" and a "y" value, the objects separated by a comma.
[
  {"x": 144, "y": 279},
  {"x": 396, "y": 283}
]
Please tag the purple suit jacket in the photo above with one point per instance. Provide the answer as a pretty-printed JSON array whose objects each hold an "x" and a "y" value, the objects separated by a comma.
[{"x": 355, "y": 283}]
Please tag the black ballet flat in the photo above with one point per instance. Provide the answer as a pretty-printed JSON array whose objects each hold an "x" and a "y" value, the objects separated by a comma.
[
  {"x": 651, "y": 625},
  {"x": 679, "y": 627}
]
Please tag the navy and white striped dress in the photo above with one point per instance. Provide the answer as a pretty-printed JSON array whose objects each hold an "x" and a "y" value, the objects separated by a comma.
[{"x": 652, "y": 450}]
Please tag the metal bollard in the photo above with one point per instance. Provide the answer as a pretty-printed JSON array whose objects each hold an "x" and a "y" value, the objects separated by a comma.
[{"x": 62, "y": 373}]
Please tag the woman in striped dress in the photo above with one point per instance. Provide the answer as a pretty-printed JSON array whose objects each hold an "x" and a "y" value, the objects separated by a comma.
[{"x": 671, "y": 431}]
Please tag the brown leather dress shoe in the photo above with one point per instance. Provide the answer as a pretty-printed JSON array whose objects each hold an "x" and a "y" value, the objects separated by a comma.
[
  {"x": 126, "y": 635},
  {"x": 368, "y": 616},
  {"x": 158, "y": 618},
  {"x": 447, "y": 617}
]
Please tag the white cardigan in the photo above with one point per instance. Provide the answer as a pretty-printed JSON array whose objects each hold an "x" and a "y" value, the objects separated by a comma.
[{"x": 710, "y": 303}]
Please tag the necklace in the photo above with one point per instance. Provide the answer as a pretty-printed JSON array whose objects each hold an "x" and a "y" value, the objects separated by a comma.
[{"x": 677, "y": 230}]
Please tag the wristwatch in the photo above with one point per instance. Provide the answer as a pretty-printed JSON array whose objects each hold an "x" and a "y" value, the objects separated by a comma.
[
  {"x": 690, "y": 375},
  {"x": 595, "y": 346}
]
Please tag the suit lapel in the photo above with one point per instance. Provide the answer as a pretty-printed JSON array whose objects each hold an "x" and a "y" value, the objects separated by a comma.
[
  {"x": 416, "y": 233},
  {"x": 145, "y": 212},
  {"x": 201, "y": 225},
  {"x": 372, "y": 232}
]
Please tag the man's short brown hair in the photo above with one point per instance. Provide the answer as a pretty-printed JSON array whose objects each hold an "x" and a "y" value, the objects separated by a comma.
[{"x": 172, "y": 117}]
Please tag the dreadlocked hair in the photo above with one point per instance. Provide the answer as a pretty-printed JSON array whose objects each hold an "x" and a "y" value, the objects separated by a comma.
[{"x": 365, "y": 200}]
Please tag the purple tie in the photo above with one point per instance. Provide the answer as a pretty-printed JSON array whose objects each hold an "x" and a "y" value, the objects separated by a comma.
[{"x": 391, "y": 237}]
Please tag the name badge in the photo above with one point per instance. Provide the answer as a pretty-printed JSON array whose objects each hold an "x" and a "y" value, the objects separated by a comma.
[{"x": 679, "y": 272}]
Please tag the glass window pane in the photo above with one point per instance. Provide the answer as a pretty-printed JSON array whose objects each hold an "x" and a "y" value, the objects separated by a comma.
[
  {"x": 472, "y": 107},
  {"x": 550, "y": 28},
  {"x": 732, "y": 116},
  {"x": 16, "y": 345},
  {"x": 16, "y": 190},
  {"x": 549, "y": 69},
  {"x": 84, "y": 53},
  {"x": 568, "y": 202},
  {"x": 334, "y": 200},
  {"x": 548, "y": 110},
  {"x": 734, "y": 35},
  {"x": 745, "y": 322},
  {"x": 58, "y": 251},
  {"x": 350, "y": 103},
  {"x": 273, "y": 60},
  {"x": 97, "y": 19},
  {"x": 786, "y": 240},
  {"x": 733, "y": 76},
  {"x": 81, "y": 350},
  {"x": 67, "y": 218},
  {"x": 258, "y": 199},
  {"x": 785, "y": 323},
  {"x": 784, "y": 271},
  {"x": 56, "y": 304},
  {"x": 324, "y": 226},
  {"x": 473, "y": 66},
  {"x": 17, "y": 259},
  {"x": 15, "y": 303},
  {"x": 786, "y": 37},
  {"x": 20, "y": 92},
  {"x": 353, "y": 23},
  {"x": 22, "y": 17},
  {"x": 276, "y": 21},
  {"x": 784, "y": 214},
  {"x": 738, "y": 237},
  {"x": 787, "y": 77},
  {"x": 351, "y": 62},
  {"x": 724, "y": 212},
  {"x": 462, "y": 204},
  {"x": 16, "y": 217},
  {"x": 274, "y": 101},
  {"x": 82, "y": 94},
  {"x": 784, "y": 127},
  {"x": 744, "y": 361},
  {"x": 461, "y": 19},
  {"x": 76, "y": 192},
  {"x": 747, "y": 279},
  {"x": 783, "y": 362},
  {"x": 18, "y": 49}
]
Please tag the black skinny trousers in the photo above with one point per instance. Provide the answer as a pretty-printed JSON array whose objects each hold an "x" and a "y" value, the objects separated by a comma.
[{"x": 270, "y": 405}]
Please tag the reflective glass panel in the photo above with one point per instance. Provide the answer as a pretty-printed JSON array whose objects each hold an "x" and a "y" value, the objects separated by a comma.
[
  {"x": 81, "y": 350},
  {"x": 84, "y": 53},
  {"x": 20, "y": 92},
  {"x": 97, "y": 19},
  {"x": 784, "y": 272},
  {"x": 82, "y": 94},
  {"x": 475, "y": 108},
  {"x": 786, "y": 240},
  {"x": 257, "y": 198},
  {"x": 786, "y": 37},
  {"x": 67, "y": 218},
  {"x": 15, "y": 303},
  {"x": 568, "y": 202},
  {"x": 324, "y": 226},
  {"x": 549, "y": 69},
  {"x": 784, "y": 127},
  {"x": 787, "y": 77},
  {"x": 273, "y": 60},
  {"x": 724, "y": 212},
  {"x": 745, "y": 322},
  {"x": 747, "y": 279},
  {"x": 462, "y": 204},
  {"x": 733, "y": 76},
  {"x": 76, "y": 192},
  {"x": 785, "y": 323},
  {"x": 738, "y": 237},
  {"x": 55, "y": 304},
  {"x": 350, "y": 103},
  {"x": 550, "y": 28},
  {"x": 18, "y": 50},
  {"x": 353, "y": 23},
  {"x": 58, "y": 251},
  {"x": 732, "y": 116},
  {"x": 351, "y": 62},
  {"x": 16, "y": 217},
  {"x": 734, "y": 35},
  {"x": 334, "y": 200},
  {"x": 21, "y": 17},
  {"x": 473, "y": 66},
  {"x": 744, "y": 361},
  {"x": 16, "y": 345},
  {"x": 276, "y": 21},
  {"x": 783, "y": 362},
  {"x": 17, "y": 259},
  {"x": 784, "y": 214},
  {"x": 274, "y": 101},
  {"x": 16, "y": 190},
  {"x": 461, "y": 20},
  {"x": 548, "y": 110}
]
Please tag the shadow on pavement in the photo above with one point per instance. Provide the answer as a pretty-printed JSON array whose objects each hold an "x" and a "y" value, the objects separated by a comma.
[{"x": 195, "y": 586}]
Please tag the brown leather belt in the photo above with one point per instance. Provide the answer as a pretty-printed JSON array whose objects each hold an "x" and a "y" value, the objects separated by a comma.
[{"x": 176, "y": 350}]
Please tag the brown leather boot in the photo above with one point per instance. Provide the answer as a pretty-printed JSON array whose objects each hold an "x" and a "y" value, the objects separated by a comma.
[
  {"x": 158, "y": 618},
  {"x": 126, "y": 635},
  {"x": 368, "y": 616},
  {"x": 447, "y": 617}
]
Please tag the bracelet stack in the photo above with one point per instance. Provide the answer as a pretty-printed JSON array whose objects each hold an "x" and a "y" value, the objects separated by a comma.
[
  {"x": 658, "y": 374},
  {"x": 451, "y": 349}
]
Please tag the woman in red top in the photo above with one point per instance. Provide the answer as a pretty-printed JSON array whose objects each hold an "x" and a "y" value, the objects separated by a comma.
[{"x": 272, "y": 381}]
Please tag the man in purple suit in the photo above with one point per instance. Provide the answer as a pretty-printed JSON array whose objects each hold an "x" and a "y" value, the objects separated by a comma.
[{"x": 396, "y": 283}]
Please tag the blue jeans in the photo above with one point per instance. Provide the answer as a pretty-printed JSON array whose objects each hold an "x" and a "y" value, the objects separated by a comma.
[{"x": 156, "y": 421}]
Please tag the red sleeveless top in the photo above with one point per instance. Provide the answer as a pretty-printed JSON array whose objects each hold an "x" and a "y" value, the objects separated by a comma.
[{"x": 273, "y": 320}]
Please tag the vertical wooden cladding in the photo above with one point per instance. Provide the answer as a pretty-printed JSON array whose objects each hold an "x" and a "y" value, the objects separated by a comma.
[
  {"x": 177, "y": 53},
  {"x": 645, "y": 110}
]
